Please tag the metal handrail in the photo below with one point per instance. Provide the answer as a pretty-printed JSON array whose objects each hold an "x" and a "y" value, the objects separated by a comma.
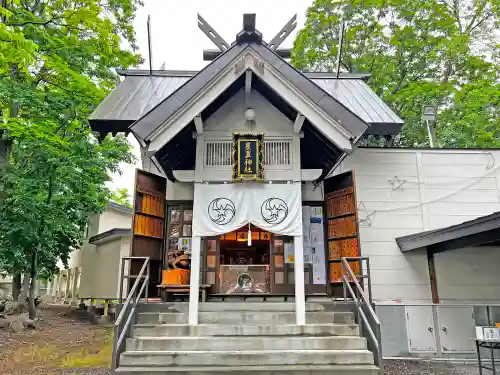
[
  {"x": 121, "y": 330},
  {"x": 361, "y": 302}
]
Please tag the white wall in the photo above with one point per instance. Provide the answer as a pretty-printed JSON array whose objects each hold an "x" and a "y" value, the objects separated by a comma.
[
  {"x": 114, "y": 218},
  {"x": 440, "y": 188},
  {"x": 469, "y": 275},
  {"x": 101, "y": 268}
]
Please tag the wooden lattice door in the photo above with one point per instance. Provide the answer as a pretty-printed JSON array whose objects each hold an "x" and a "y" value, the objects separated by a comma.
[
  {"x": 148, "y": 225},
  {"x": 342, "y": 226}
]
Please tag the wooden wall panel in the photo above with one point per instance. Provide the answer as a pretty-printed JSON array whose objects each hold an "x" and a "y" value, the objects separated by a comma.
[{"x": 342, "y": 228}]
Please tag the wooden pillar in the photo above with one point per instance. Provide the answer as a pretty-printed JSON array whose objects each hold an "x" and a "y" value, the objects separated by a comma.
[
  {"x": 194, "y": 287},
  {"x": 300, "y": 295},
  {"x": 74, "y": 285},
  {"x": 432, "y": 276},
  {"x": 68, "y": 284}
]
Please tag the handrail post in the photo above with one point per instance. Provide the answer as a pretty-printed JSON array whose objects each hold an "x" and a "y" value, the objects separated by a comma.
[
  {"x": 368, "y": 272},
  {"x": 148, "y": 273},
  {"x": 122, "y": 271},
  {"x": 343, "y": 281}
]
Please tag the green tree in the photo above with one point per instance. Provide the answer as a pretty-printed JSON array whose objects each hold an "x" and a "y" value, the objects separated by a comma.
[
  {"x": 56, "y": 64},
  {"x": 440, "y": 52},
  {"x": 120, "y": 196}
]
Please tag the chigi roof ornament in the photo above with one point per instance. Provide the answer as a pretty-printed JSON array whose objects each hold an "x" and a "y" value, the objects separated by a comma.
[{"x": 249, "y": 34}]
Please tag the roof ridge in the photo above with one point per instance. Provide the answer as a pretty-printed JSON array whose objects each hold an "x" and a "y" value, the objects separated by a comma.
[{"x": 192, "y": 73}]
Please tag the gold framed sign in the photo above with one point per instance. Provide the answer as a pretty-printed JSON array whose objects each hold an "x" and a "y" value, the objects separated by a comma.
[{"x": 248, "y": 157}]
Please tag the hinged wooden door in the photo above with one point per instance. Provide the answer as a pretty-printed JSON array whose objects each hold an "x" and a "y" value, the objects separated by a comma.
[
  {"x": 282, "y": 273},
  {"x": 148, "y": 224},
  {"x": 212, "y": 262},
  {"x": 342, "y": 225}
]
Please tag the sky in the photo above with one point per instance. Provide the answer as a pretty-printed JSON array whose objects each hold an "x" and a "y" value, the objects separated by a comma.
[{"x": 179, "y": 43}]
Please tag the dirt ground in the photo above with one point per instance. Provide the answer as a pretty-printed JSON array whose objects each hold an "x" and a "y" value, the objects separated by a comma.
[{"x": 64, "y": 342}]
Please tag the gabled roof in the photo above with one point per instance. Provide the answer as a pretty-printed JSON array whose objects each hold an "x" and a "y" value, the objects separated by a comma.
[
  {"x": 139, "y": 92},
  {"x": 313, "y": 98}
]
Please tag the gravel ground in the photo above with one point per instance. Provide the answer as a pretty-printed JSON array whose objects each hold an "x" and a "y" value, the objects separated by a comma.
[{"x": 428, "y": 368}]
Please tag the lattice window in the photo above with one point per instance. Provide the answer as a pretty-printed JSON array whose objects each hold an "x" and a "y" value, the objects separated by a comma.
[
  {"x": 218, "y": 153},
  {"x": 277, "y": 152}
]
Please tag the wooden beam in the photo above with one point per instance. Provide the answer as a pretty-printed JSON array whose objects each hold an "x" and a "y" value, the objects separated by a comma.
[
  {"x": 248, "y": 81},
  {"x": 198, "y": 123},
  {"x": 310, "y": 174},
  {"x": 248, "y": 89},
  {"x": 299, "y": 121},
  {"x": 283, "y": 33},
  {"x": 212, "y": 34},
  {"x": 432, "y": 276}
]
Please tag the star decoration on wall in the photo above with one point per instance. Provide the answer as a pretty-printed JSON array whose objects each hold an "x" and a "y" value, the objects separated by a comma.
[
  {"x": 397, "y": 183},
  {"x": 367, "y": 216}
]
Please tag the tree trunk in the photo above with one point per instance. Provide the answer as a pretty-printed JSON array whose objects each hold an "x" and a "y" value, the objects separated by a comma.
[
  {"x": 25, "y": 287},
  {"x": 31, "y": 296},
  {"x": 16, "y": 286}
]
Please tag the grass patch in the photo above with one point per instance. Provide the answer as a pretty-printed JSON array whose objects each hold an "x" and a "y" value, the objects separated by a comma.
[{"x": 98, "y": 356}]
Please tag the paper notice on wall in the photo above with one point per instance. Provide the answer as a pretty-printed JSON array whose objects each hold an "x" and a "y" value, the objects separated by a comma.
[
  {"x": 319, "y": 266},
  {"x": 289, "y": 253},
  {"x": 316, "y": 233},
  {"x": 306, "y": 222},
  {"x": 316, "y": 215},
  {"x": 308, "y": 254}
]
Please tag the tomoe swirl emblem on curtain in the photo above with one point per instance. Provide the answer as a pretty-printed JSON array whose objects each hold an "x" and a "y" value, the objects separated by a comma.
[
  {"x": 221, "y": 211},
  {"x": 274, "y": 210}
]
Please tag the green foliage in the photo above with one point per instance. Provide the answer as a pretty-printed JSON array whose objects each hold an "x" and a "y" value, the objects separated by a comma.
[
  {"x": 56, "y": 65},
  {"x": 120, "y": 196},
  {"x": 419, "y": 52}
]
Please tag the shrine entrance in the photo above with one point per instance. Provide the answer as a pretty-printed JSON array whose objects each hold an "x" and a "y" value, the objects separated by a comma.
[{"x": 237, "y": 265}]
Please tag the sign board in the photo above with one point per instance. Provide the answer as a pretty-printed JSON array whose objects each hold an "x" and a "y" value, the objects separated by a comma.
[{"x": 248, "y": 157}]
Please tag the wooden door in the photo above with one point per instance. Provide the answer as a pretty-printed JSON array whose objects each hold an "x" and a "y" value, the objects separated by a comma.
[
  {"x": 148, "y": 225},
  {"x": 282, "y": 273},
  {"x": 342, "y": 226},
  {"x": 212, "y": 263}
]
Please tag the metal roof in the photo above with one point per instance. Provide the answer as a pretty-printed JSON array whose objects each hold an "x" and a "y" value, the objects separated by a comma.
[
  {"x": 139, "y": 92},
  {"x": 484, "y": 229}
]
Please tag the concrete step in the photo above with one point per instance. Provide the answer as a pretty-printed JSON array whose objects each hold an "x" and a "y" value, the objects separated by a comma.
[
  {"x": 246, "y": 358},
  {"x": 245, "y": 306},
  {"x": 240, "y": 317},
  {"x": 184, "y": 330},
  {"x": 235, "y": 343},
  {"x": 254, "y": 370}
]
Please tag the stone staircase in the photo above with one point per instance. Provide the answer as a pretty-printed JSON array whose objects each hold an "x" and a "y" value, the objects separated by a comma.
[{"x": 247, "y": 338}]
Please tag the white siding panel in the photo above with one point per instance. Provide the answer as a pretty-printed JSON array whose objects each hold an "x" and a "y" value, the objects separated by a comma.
[
  {"x": 382, "y": 181},
  {"x": 399, "y": 262},
  {"x": 461, "y": 157},
  {"x": 388, "y": 195},
  {"x": 391, "y": 292},
  {"x": 441, "y": 188},
  {"x": 466, "y": 196},
  {"x": 381, "y": 235},
  {"x": 463, "y": 208},
  {"x": 444, "y": 220},
  {"x": 390, "y": 220},
  {"x": 453, "y": 170}
]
